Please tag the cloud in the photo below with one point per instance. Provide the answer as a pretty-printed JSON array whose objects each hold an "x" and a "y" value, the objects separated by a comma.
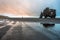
[
  {"x": 16, "y": 7},
  {"x": 25, "y": 7}
]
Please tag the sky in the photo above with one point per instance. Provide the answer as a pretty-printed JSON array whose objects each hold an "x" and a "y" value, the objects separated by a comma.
[{"x": 27, "y": 7}]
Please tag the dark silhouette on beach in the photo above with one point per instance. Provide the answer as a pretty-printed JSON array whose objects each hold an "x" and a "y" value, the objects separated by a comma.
[{"x": 47, "y": 12}]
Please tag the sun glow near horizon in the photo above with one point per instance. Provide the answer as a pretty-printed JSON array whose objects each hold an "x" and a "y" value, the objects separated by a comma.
[
  {"x": 24, "y": 7},
  {"x": 15, "y": 7}
]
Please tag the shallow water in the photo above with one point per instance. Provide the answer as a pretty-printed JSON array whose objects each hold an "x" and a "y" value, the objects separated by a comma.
[
  {"x": 50, "y": 31},
  {"x": 34, "y": 29}
]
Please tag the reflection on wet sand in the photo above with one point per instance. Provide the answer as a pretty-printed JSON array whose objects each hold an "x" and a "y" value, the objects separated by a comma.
[
  {"x": 4, "y": 30},
  {"x": 48, "y": 25},
  {"x": 17, "y": 30}
]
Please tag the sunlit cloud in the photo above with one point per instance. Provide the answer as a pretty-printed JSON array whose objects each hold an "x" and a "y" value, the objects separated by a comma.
[
  {"x": 16, "y": 7},
  {"x": 25, "y": 7}
]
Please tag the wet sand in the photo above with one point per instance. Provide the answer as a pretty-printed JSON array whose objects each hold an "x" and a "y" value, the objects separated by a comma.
[{"x": 27, "y": 31}]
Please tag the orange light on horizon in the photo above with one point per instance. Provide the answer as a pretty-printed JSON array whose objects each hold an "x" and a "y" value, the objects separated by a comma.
[
  {"x": 15, "y": 11},
  {"x": 19, "y": 9}
]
